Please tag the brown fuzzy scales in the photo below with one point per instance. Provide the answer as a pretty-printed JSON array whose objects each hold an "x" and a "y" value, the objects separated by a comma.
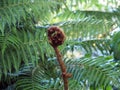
[{"x": 56, "y": 37}]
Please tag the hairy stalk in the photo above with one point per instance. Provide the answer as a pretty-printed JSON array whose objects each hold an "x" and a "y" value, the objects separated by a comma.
[
  {"x": 56, "y": 37},
  {"x": 63, "y": 68}
]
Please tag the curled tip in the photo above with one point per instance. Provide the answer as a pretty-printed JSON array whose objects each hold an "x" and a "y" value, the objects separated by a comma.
[{"x": 56, "y": 36}]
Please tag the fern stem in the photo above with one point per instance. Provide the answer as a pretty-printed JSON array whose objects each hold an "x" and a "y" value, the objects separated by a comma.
[{"x": 63, "y": 68}]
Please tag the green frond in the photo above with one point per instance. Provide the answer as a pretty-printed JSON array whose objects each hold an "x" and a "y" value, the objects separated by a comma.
[
  {"x": 32, "y": 46},
  {"x": 12, "y": 12},
  {"x": 90, "y": 4},
  {"x": 39, "y": 80},
  {"x": 101, "y": 46},
  {"x": 115, "y": 44},
  {"x": 97, "y": 71},
  {"x": 86, "y": 23},
  {"x": 77, "y": 14}
]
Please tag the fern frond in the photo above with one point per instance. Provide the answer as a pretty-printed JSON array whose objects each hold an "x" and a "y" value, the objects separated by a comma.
[
  {"x": 101, "y": 46},
  {"x": 92, "y": 4},
  {"x": 86, "y": 23},
  {"x": 39, "y": 80},
  {"x": 23, "y": 47},
  {"x": 97, "y": 71},
  {"x": 12, "y": 12}
]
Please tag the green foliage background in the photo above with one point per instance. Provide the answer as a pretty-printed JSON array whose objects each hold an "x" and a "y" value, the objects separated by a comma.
[{"x": 28, "y": 62}]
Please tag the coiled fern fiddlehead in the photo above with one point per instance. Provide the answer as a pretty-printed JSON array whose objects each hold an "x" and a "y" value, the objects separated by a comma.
[{"x": 56, "y": 37}]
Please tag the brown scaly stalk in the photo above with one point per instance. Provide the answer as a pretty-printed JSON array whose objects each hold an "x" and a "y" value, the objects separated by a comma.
[{"x": 56, "y": 37}]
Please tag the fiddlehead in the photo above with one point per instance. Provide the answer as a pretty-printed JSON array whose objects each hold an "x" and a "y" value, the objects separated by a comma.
[{"x": 56, "y": 37}]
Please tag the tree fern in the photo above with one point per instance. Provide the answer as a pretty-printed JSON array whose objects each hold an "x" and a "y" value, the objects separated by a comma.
[{"x": 23, "y": 41}]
